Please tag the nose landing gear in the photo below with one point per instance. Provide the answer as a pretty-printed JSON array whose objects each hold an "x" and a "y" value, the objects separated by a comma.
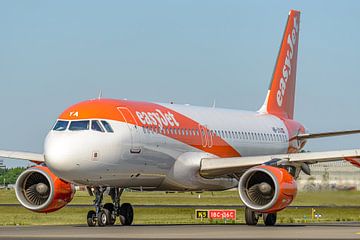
[{"x": 107, "y": 214}]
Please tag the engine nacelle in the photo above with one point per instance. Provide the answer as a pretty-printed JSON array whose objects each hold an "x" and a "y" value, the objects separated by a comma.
[
  {"x": 267, "y": 189},
  {"x": 39, "y": 190}
]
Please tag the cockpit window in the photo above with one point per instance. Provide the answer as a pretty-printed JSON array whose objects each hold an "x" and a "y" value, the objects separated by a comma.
[
  {"x": 107, "y": 126},
  {"x": 61, "y": 125},
  {"x": 95, "y": 125},
  {"x": 79, "y": 125}
]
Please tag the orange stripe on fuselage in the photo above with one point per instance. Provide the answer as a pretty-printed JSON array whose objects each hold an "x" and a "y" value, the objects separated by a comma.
[{"x": 146, "y": 114}]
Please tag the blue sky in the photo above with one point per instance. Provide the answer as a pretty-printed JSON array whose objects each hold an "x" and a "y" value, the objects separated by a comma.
[{"x": 54, "y": 54}]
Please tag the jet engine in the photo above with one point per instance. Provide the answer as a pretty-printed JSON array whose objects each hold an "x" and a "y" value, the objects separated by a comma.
[
  {"x": 267, "y": 189},
  {"x": 39, "y": 190}
]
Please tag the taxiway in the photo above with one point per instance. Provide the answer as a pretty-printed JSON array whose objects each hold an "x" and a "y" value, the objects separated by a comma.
[{"x": 293, "y": 231}]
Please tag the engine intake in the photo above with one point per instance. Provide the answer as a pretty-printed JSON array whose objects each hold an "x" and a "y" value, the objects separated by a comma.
[
  {"x": 39, "y": 190},
  {"x": 267, "y": 189},
  {"x": 36, "y": 188}
]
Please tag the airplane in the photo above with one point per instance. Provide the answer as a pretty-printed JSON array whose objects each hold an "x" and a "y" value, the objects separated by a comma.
[{"x": 112, "y": 145}]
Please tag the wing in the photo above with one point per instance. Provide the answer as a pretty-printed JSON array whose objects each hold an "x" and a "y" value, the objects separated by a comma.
[
  {"x": 324, "y": 134},
  {"x": 33, "y": 157},
  {"x": 214, "y": 167}
]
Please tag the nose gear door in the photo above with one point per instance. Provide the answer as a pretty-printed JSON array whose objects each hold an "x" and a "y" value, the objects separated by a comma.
[{"x": 134, "y": 129}]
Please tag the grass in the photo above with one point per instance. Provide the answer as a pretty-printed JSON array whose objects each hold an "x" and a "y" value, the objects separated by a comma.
[{"x": 20, "y": 216}]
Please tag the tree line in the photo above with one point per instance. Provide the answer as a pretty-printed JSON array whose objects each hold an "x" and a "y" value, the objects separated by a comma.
[{"x": 10, "y": 175}]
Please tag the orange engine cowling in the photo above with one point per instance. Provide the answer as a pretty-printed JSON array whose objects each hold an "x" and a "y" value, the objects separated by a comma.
[
  {"x": 39, "y": 190},
  {"x": 267, "y": 189}
]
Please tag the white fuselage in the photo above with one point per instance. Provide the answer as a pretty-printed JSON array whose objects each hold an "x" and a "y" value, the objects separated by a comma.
[{"x": 160, "y": 160}]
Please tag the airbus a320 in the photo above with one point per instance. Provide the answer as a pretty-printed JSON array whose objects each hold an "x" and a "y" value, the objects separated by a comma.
[{"x": 109, "y": 144}]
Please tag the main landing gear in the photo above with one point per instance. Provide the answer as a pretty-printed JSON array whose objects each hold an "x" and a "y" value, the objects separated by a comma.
[
  {"x": 252, "y": 217},
  {"x": 106, "y": 214}
]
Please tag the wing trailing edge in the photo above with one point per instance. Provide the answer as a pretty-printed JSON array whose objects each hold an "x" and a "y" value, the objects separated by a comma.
[{"x": 214, "y": 167}]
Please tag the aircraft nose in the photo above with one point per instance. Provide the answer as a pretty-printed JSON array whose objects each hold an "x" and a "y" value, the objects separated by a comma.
[{"x": 64, "y": 154}]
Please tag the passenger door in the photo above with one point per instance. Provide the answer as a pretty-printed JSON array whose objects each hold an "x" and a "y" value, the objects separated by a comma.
[{"x": 134, "y": 129}]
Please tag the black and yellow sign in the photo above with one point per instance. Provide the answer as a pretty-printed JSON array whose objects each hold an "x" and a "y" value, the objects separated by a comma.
[{"x": 201, "y": 214}]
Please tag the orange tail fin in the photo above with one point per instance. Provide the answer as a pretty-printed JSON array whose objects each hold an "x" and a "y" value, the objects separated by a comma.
[{"x": 281, "y": 94}]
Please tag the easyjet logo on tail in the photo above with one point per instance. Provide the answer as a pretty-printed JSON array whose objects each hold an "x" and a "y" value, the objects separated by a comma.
[{"x": 286, "y": 72}]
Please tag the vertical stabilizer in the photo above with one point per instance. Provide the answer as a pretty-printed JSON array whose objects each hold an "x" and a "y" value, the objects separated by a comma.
[{"x": 281, "y": 95}]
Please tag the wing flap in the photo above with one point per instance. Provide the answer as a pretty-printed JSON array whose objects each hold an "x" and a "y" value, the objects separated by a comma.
[
  {"x": 34, "y": 157},
  {"x": 213, "y": 167}
]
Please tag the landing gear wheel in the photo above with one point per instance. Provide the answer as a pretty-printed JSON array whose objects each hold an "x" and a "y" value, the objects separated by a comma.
[
  {"x": 110, "y": 208},
  {"x": 251, "y": 217},
  {"x": 270, "y": 219},
  {"x": 91, "y": 218},
  {"x": 126, "y": 214},
  {"x": 103, "y": 217}
]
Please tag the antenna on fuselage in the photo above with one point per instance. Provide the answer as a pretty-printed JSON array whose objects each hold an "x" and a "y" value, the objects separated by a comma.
[
  {"x": 214, "y": 103},
  {"x": 100, "y": 94}
]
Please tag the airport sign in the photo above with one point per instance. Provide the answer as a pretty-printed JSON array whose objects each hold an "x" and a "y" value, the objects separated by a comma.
[
  {"x": 222, "y": 214},
  {"x": 216, "y": 214},
  {"x": 200, "y": 214}
]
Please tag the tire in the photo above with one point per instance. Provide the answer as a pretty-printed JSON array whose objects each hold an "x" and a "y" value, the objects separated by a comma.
[
  {"x": 103, "y": 218},
  {"x": 126, "y": 214},
  {"x": 91, "y": 221},
  {"x": 110, "y": 208},
  {"x": 250, "y": 217},
  {"x": 270, "y": 219}
]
